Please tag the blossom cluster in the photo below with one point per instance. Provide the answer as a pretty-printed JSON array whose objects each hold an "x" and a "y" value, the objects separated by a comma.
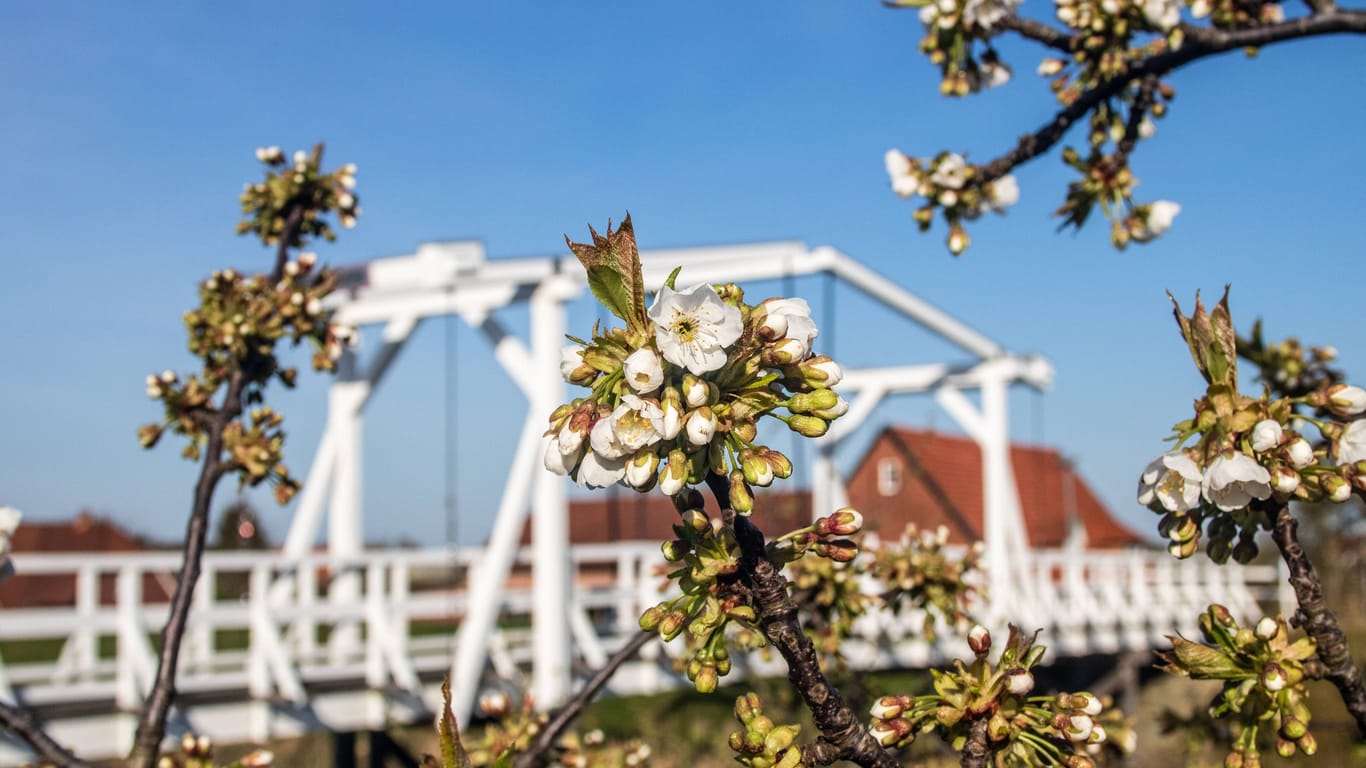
[
  {"x": 1248, "y": 450},
  {"x": 1262, "y": 671},
  {"x": 295, "y": 197},
  {"x": 1022, "y": 729},
  {"x": 917, "y": 572},
  {"x": 677, "y": 393},
  {"x": 9, "y": 522},
  {"x": 947, "y": 182},
  {"x": 513, "y": 730},
  {"x": 952, "y": 27},
  {"x": 761, "y": 743},
  {"x": 241, "y": 319}
]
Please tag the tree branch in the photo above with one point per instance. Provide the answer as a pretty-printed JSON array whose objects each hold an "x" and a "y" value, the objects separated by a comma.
[
  {"x": 1314, "y": 616},
  {"x": 43, "y": 745},
  {"x": 1199, "y": 43},
  {"x": 571, "y": 711},
  {"x": 977, "y": 752},
  {"x": 842, "y": 737},
  {"x": 1040, "y": 33},
  {"x": 152, "y": 724}
]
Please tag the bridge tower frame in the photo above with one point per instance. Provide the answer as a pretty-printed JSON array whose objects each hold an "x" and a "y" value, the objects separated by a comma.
[{"x": 454, "y": 278}]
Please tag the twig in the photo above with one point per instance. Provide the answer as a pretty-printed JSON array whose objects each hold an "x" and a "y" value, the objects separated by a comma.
[
  {"x": 1199, "y": 43},
  {"x": 152, "y": 723},
  {"x": 1314, "y": 616},
  {"x": 571, "y": 711},
  {"x": 842, "y": 737},
  {"x": 23, "y": 726},
  {"x": 976, "y": 752}
]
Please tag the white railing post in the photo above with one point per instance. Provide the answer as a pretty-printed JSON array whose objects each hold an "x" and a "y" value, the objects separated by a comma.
[{"x": 375, "y": 674}]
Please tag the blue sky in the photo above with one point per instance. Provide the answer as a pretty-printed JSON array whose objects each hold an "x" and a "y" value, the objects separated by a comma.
[{"x": 129, "y": 130}]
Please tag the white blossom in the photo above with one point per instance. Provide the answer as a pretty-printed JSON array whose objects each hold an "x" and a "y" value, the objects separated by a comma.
[
  {"x": 674, "y": 476},
  {"x": 904, "y": 182},
  {"x": 951, "y": 172},
  {"x": 1266, "y": 434},
  {"x": 1351, "y": 447},
  {"x": 985, "y": 13},
  {"x": 701, "y": 426},
  {"x": 996, "y": 74},
  {"x": 1155, "y": 220},
  {"x": 1285, "y": 480},
  {"x": 1019, "y": 682},
  {"x": 1232, "y": 482},
  {"x": 1347, "y": 400},
  {"x": 1050, "y": 66},
  {"x": 598, "y": 472},
  {"x": 1000, "y": 194},
  {"x": 558, "y": 459},
  {"x": 789, "y": 319},
  {"x": 641, "y": 468},
  {"x": 643, "y": 371},
  {"x": 1267, "y": 628},
  {"x": 1201, "y": 8},
  {"x": 1300, "y": 453},
  {"x": 9, "y": 522},
  {"x": 693, "y": 327},
  {"x": 1163, "y": 14},
  {"x": 1173, "y": 479},
  {"x": 635, "y": 424},
  {"x": 1146, "y": 128}
]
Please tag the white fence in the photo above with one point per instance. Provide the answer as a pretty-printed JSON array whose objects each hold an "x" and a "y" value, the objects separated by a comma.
[{"x": 269, "y": 653}]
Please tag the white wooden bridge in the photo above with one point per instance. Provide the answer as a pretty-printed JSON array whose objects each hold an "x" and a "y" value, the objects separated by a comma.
[{"x": 352, "y": 639}]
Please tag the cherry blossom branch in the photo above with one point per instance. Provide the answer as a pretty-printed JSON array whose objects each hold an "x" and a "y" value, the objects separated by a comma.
[
  {"x": 842, "y": 737},
  {"x": 1317, "y": 620},
  {"x": 42, "y": 744},
  {"x": 152, "y": 724},
  {"x": 1199, "y": 43},
  {"x": 976, "y": 751},
  {"x": 560, "y": 723}
]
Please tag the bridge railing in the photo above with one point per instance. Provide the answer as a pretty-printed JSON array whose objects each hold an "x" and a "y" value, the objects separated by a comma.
[{"x": 268, "y": 631}]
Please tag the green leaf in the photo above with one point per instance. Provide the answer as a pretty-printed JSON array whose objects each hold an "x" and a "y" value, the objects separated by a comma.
[
  {"x": 672, "y": 277},
  {"x": 452, "y": 751},
  {"x": 606, "y": 284},
  {"x": 613, "y": 266}
]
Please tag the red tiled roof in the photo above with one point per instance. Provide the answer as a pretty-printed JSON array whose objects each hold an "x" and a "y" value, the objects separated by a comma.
[
  {"x": 941, "y": 483},
  {"x": 85, "y": 533}
]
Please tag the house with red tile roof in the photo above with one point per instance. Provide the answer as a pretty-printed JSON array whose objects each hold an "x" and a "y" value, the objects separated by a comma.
[
  {"x": 86, "y": 533},
  {"x": 932, "y": 478}
]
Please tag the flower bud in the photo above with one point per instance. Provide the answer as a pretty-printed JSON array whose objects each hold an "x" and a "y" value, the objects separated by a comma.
[
  {"x": 706, "y": 679},
  {"x": 1266, "y": 434},
  {"x": 782, "y": 466},
  {"x": 672, "y": 406},
  {"x": 979, "y": 640},
  {"x": 1293, "y": 729},
  {"x": 886, "y": 732},
  {"x": 741, "y": 499},
  {"x": 1078, "y": 728},
  {"x": 149, "y": 434},
  {"x": 1086, "y": 703},
  {"x": 695, "y": 391},
  {"x": 701, "y": 426},
  {"x": 1183, "y": 549},
  {"x": 845, "y": 522},
  {"x": 1267, "y": 628},
  {"x": 697, "y": 520},
  {"x": 640, "y": 470},
  {"x": 1019, "y": 682},
  {"x": 675, "y": 474},
  {"x": 1285, "y": 480},
  {"x": 1335, "y": 488},
  {"x": 958, "y": 240},
  {"x": 786, "y": 351},
  {"x": 675, "y": 550},
  {"x": 260, "y": 758},
  {"x": 1308, "y": 744},
  {"x": 805, "y": 402},
  {"x": 1285, "y": 747},
  {"x": 779, "y": 739},
  {"x": 1300, "y": 453},
  {"x": 808, "y": 426},
  {"x": 1273, "y": 677},
  {"x": 1346, "y": 400},
  {"x": 947, "y": 716},
  {"x": 643, "y": 371},
  {"x": 187, "y": 744},
  {"x": 835, "y": 411},
  {"x": 757, "y": 471},
  {"x": 495, "y": 705},
  {"x": 886, "y": 708},
  {"x": 672, "y": 624},
  {"x": 998, "y": 727}
]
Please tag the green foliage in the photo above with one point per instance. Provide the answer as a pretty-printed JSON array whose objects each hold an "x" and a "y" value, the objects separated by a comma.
[{"x": 1264, "y": 681}]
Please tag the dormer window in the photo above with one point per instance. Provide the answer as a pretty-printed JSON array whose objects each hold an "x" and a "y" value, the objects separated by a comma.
[{"x": 888, "y": 476}]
